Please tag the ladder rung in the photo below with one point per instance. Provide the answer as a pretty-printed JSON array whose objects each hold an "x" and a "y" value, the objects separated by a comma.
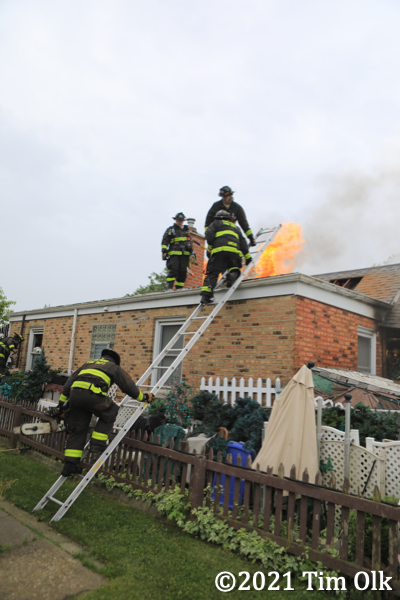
[
  {"x": 199, "y": 318},
  {"x": 56, "y": 501},
  {"x": 188, "y": 333}
]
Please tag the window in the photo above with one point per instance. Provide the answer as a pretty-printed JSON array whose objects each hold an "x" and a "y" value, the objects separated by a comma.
[
  {"x": 348, "y": 282},
  {"x": 99, "y": 347},
  {"x": 103, "y": 336},
  {"x": 165, "y": 331},
  {"x": 366, "y": 358},
  {"x": 34, "y": 346}
]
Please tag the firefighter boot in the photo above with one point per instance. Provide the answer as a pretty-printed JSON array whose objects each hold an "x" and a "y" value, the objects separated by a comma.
[
  {"x": 97, "y": 446},
  {"x": 71, "y": 468},
  {"x": 171, "y": 284},
  {"x": 206, "y": 299}
]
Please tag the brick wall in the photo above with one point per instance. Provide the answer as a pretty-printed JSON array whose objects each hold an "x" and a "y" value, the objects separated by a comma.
[
  {"x": 196, "y": 278},
  {"x": 328, "y": 336},
  {"x": 264, "y": 337}
]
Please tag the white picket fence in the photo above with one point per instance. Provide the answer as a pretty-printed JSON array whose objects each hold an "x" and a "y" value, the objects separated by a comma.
[{"x": 229, "y": 391}]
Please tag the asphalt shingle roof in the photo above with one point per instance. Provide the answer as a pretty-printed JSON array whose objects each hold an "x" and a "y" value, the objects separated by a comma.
[{"x": 382, "y": 283}]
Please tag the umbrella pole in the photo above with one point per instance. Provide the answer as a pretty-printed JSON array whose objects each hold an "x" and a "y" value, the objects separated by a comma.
[{"x": 347, "y": 440}]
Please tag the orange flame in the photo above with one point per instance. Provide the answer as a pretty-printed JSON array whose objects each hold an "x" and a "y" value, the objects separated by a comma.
[{"x": 278, "y": 257}]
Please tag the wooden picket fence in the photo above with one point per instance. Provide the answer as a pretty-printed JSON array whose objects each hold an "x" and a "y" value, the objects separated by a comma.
[{"x": 289, "y": 511}]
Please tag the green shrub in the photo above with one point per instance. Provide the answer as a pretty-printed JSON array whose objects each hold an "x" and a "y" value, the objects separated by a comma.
[{"x": 368, "y": 422}]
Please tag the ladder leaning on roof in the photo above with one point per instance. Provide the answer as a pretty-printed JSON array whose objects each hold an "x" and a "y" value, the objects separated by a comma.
[{"x": 263, "y": 238}]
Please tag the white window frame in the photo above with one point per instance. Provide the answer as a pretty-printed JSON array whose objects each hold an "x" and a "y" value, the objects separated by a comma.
[
  {"x": 29, "y": 357},
  {"x": 370, "y": 334},
  {"x": 106, "y": 344},
  {"x": 160, "y": 323}
]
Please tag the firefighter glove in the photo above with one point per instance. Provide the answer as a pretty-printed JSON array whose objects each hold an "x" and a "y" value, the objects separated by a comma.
[
  {"x": 148, "y": 397},
  {"x": 248, "y": 260},
  {"x": 252, "y": 240},
  {"x": 164, "y": 256}
]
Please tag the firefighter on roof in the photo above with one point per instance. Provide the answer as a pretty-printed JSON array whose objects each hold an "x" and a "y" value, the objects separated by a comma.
[
  {"x": 176, "y": 248},
  {"x": 7, "y": 346},
  {"x": 233, "y": 208},
  {"x": 87, "y": 390},
  {"x": 226, "y": 248}
]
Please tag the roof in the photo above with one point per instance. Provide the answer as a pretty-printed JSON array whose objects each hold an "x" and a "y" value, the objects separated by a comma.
[
  {"x": 381, "y": 282},
  {"x": 263, "y": 287},
  {"x": 372, "y": 383}
]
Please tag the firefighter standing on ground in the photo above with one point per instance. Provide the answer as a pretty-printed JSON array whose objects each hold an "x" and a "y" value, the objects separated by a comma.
[
  {"x": 233, "y": 208},
  {"x": 87, "y": 390},
  {"x": 176, "y": 248},
  {"x": 8, "y": 345},
  {"x": 226, "y": 247}
]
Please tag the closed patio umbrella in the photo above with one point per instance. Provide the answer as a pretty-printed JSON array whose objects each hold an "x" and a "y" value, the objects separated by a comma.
[{"x": 291, "y": 436}]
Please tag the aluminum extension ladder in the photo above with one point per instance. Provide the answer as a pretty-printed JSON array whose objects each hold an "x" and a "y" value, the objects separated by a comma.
[{"x": 263, "y": 238}]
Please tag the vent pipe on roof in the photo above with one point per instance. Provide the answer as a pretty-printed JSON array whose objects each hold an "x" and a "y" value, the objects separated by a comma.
[{"x": 71, "y": 351}]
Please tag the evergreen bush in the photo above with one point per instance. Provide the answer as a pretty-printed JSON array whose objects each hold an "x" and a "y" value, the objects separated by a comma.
[
  {"x": 368, "y": 422},
  {"x": 37, "y": 379}
]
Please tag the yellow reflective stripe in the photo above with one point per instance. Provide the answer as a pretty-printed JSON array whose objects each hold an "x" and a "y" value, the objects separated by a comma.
[
  {"x": 63, "y": 398},
  {"x": 88, "y": 386},
  {"x": 97, "y": 374},
  {"x": 219, "y": 233},
  {"x": 170, "y": 278},
  {"x": 178, "y": 252},
  {"x": 178, "y": 239},
  {"x": 234, "y": 269},
  {"x": 178, "y": 284},
  {"x": 11, "y": 346},
  {"x": 249, "y": 232},
  {"x": 205, "y": 228},
  {"x": 140, "y": 397},
  {"x": 74, "y": 453},
  {"x": 226, "y": 249},
  {"x": 99, "y": 436},
  {"x": 2, "y": 356},
  {"x": 205, "y": 288},
  {"x": 164, "y": 247},
  {"x": 248, "y": 255}
]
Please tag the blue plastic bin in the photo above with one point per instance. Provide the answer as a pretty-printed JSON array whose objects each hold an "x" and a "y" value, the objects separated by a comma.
[{"x": 235, "y": 449}]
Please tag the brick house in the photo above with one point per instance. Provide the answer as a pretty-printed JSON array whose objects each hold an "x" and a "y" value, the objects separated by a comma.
[{"x": 270, "y": 327}]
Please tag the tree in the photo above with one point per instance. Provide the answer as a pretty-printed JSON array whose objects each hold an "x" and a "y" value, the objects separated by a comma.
[
  {"x": 37, "y": 379},
  {"x": 158, "y": 283},
  {"x": 5, "y": 310}
]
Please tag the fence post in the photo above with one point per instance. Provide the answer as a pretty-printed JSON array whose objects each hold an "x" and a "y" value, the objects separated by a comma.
[
  {"x": 197, "y": 484},
  {"x": 17, "y": 423}
]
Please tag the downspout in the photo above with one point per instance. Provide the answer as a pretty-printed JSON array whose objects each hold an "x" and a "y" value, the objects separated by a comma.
[
  {"x": 19, "y": 345},
  {"x": 71, "y": 352}
]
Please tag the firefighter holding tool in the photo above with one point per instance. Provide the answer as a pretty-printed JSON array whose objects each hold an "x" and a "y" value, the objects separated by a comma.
[
  {"x": 233, "y": 208},
  {"x": 226, "y": 248},
  {"x": 7, "y": 346},
  {"x": 177, "y": 248},
  {"x": 86, "y": 391}
]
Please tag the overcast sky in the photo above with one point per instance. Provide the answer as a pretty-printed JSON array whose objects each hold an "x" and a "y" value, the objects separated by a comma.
[{"x": 114, "y": 115}]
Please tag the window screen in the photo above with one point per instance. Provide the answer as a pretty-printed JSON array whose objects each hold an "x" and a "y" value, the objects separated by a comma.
[
  {"x": 167, "y": 333},
  {"x": 364, "y": 354},
  {"x": 98, "y": 348}
]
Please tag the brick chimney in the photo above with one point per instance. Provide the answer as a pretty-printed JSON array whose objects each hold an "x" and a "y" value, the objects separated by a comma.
[{"x": 196, "y": 278}]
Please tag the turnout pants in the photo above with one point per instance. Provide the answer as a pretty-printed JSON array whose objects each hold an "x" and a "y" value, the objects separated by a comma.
[
  {"x": 83, "y": 404},
  {"x": 177, "y": 270},
  {"x": 2, "y": 366},
  {"x": 219, "y": 263}
]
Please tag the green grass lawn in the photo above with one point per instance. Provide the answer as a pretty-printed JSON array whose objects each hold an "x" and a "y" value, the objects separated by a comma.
[{"x": 144, "y": 558}]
